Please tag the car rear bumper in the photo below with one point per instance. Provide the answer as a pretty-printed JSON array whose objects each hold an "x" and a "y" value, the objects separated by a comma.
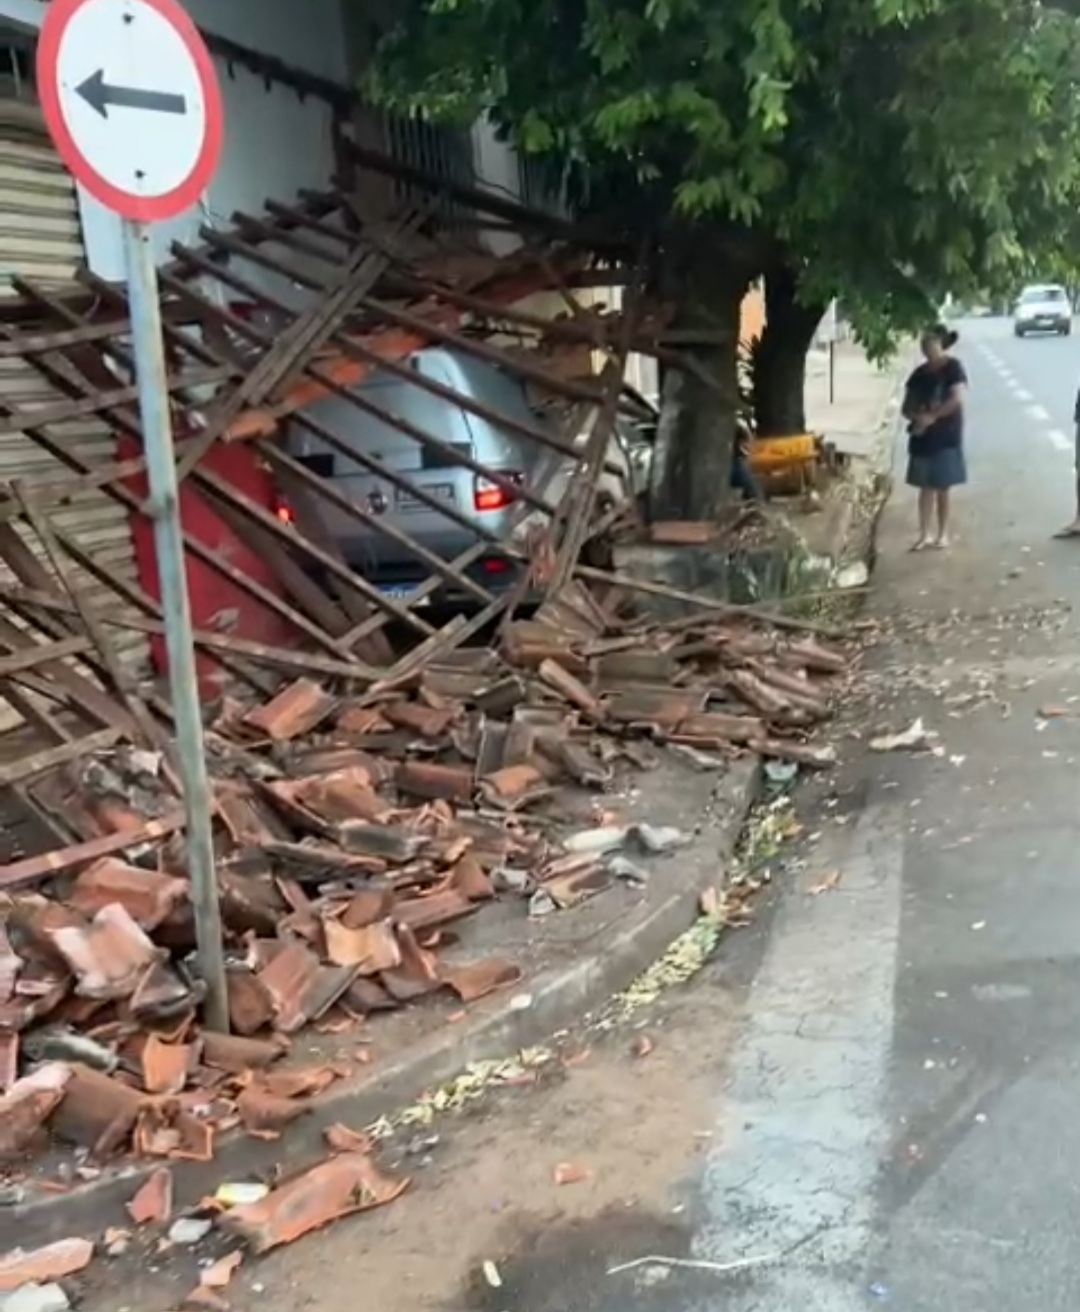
[
  {"x": 1044, "y": 324},
  {"x": 495, "y": 575}
]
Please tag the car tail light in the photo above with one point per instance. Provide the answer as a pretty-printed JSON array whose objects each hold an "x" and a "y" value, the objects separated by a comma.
[
  {"x": 284, "y": 511},
  {"x": 495, "y": 565},
  {"x": 492, "y": 496}
]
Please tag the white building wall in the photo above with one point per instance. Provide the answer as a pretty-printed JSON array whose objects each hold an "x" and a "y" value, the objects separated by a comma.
[{"x": 275, "y": 144}]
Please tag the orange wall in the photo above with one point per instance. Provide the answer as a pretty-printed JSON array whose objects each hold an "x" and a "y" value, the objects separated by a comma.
[{"x": 752, "y": 318}]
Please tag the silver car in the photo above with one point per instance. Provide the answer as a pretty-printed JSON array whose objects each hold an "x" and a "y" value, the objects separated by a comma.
[
  {"x": 1043, "y": 309},
  {"x": 415, "y": 489}
]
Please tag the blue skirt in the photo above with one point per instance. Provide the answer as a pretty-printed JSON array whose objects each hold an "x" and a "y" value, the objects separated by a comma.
[{"x": 939, "y": 471}]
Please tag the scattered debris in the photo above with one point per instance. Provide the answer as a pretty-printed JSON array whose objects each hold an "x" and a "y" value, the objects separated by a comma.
[
  {"x": 571, "y": 1173},
  {"x": 240, "y": 1193},
  {"x": 220, "y": 1273},
  {"x": 915, "y": 739},
  {"x": 370, "y": 795},
  {"x": 336, "y": 1188},
  {"x": 189, "y": 1231},
  {"x": 826, "y": 885},
  {"x": 67, "y": 1257},
  {"x": 35, "y": 1297},
  {"x": 694, "y": 1264},
  {"x": 492, "y": 1276}
]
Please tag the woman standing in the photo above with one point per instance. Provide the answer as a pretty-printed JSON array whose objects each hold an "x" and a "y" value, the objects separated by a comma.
[{"x": 934, "y": 409}]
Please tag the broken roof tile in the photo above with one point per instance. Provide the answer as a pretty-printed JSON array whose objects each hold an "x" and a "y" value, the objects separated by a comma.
[
  {"x": 428, "y": 722},
  {"x": 153, "y": 1201},
  {"x": 98, "y": 1112},
  {"x": 433, "y": 909},
  {"x": 296, "y": 710},
  {"x": 346, "y": 1183},
  {"x": 42, "y": 1266},
  {"x": 148, "y": 896},
  {"x": 251, "y": 1008},
  {"x": 480, "y": 978},
  {"x": 264, "y": 1114},
  {"x": 27, "y": 1105},
  {"x": 301, "y": 988},
  {"x": 425, "y": 780},
  {"x": 514, "y": 787},
  {"x": 164, "y": 1128},
  {"x": 235, "y": 1054},
  {"x": 469, "y": 878},
  {"x": 166, "y": 1066},
  {"x": 161, "y": 995},
  {"x": 108, "y": 956},
  {"x": 369, "y": 948}
]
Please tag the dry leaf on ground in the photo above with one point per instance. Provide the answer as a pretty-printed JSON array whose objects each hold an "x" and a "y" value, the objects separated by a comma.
[
  {"x": 571, "y": 1173},
  {"x": 828, "y": 884}
]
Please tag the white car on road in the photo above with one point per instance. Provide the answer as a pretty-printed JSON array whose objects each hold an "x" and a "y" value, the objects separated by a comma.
[{"x": 1043, "y": 309}]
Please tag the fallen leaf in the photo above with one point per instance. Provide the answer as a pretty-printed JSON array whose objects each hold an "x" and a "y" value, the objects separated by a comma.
[
  {"x": 710, "y": 903},
  {"x": 575, "y": 1059},
  {"x": 916, "y": 738},
  {"x": 830, "y": 882},
  {"x": 340, "y": 1139},
  {"x": 643, "y": 1046},
  {"x": 569, "y": 1173}
]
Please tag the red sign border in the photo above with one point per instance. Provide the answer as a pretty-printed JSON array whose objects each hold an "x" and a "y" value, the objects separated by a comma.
[{"x": 142, "y": 209}]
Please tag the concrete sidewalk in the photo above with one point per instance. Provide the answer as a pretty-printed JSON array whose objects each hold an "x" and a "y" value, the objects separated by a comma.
[{"x": 858, "y": 417}]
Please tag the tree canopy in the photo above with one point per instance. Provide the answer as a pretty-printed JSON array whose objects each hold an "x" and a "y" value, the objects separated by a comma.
[{"x": 882, "y": 151}]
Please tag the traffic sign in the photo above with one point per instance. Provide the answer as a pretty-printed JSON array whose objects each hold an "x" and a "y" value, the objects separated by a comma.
[{"x": 132, "y": 101}]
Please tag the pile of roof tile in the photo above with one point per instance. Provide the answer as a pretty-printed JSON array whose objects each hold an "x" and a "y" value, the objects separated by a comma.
[{"x": 353, "y": 831}]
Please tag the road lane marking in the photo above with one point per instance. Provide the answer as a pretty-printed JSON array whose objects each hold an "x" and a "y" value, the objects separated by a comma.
[
  {"x": 1059, "y": 439},
  {"x": 1022, "y": 394},
  {"x": 1039, "y": 413}
]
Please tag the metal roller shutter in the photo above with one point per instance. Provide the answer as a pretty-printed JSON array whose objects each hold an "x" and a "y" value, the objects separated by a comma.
[{"x": 41, "y": 239}]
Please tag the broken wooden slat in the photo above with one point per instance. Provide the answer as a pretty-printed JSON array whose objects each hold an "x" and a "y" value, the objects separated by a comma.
[
  {"x": 53, "y": 863},
  {"x": 13, "y": 772},
  {"x": 121, "y": 679}
]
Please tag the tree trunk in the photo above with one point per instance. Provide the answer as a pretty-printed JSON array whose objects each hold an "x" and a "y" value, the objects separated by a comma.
[
  {"x": 706, "y": 278},
  {"x": 780, "y": 355}
]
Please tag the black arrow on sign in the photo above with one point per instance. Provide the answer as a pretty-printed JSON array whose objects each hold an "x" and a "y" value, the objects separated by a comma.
[{"x": 100, "y": 95}]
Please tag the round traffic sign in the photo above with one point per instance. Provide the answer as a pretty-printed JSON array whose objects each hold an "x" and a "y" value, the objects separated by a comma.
[{"x": 132, "y": 101}]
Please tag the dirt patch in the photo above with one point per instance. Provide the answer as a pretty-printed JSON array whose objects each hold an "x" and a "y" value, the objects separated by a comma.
[{"x": 484, "y": 1184}]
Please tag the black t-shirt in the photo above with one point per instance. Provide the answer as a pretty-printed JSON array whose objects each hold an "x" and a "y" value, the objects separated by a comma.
[{"x": 926, "y": 388}]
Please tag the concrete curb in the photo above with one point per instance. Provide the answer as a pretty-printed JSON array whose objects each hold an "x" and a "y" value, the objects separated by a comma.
[{"x": 560, "y": 999}]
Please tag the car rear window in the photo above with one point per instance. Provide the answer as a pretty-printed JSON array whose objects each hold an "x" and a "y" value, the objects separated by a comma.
[
  {"x": 1042, "y": 294},
  {"x": 433, "y": 458}
]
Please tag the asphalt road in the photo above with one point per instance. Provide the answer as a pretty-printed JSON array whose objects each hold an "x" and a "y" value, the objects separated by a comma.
[{"x": 898, "y": 1124}]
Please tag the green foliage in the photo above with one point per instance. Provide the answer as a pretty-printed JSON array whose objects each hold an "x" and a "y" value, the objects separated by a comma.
[{"x": 893, "y": 147}]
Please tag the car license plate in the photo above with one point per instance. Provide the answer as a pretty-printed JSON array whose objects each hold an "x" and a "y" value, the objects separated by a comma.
[
  {"x": 397, "y": 590},
  {"x": 440, "y": 491}
]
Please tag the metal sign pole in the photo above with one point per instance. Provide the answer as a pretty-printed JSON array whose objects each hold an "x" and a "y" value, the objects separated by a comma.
[{"x": 165, "y": 510}]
